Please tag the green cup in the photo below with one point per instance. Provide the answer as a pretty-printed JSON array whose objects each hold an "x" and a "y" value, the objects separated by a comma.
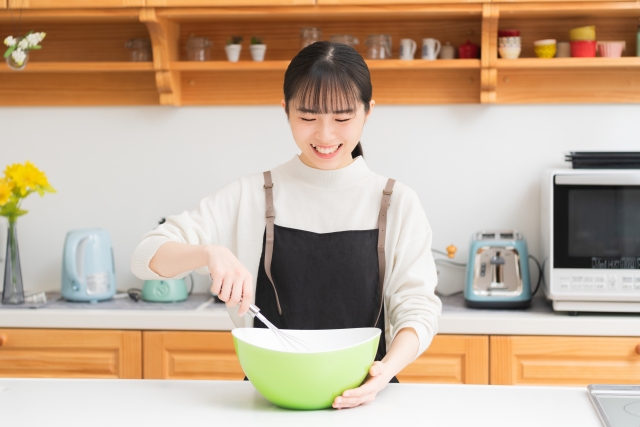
[{"x": 306, "y": 380}]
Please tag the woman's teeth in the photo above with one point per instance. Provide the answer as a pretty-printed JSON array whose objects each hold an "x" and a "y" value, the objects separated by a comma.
[{"x": 326, "y": 150}]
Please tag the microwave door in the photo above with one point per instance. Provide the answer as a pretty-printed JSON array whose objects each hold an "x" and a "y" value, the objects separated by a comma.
[{"x": 596, "y": 221}]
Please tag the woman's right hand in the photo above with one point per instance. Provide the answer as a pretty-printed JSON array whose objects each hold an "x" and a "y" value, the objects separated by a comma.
[{"x": 231, "y": 281}]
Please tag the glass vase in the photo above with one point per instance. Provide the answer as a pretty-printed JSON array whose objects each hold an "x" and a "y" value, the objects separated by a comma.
[
  {"x": 14, "y": 66},
  {"x": 13, "y": 292}
]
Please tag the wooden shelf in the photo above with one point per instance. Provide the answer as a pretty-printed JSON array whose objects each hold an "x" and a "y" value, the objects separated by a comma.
[
  {"x": 281, "y": 65},
  {"x": 95, "y": 31},
  {"x": 83, "y": 67},
  {"x": 561, "y": 63}
]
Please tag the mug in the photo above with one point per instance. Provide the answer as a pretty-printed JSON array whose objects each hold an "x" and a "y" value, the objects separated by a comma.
[
  {"x": 563, "y": 50},
  {"x": 407, "y": 48},
  {"x": 448, "y": 51},
  {"x": 430, "y": 49}
]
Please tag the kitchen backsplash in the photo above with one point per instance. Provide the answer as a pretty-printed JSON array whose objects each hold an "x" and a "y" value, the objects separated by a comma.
[{"x": 123, "y": 168}]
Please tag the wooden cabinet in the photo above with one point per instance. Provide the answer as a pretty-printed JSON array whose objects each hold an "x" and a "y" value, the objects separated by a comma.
[
  {"x": 190, "y": 356},
  {"x": 63, "y": 4},
  {"x": 49, "y": 353},
  {"x": 458, "y": 359},
  {"x": 534, "y": 360}
]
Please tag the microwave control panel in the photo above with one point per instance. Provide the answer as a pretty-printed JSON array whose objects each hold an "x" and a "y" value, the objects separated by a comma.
[{"x": 596, "y": 283}]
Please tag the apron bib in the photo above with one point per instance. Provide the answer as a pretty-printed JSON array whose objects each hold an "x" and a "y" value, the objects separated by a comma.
[{"x": 312, "y": 280}]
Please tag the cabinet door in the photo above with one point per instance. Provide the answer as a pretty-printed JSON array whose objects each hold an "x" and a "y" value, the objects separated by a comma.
[
  {"x": 457, "y": 359},
  {"x": 62, "y": 353},
  {"x": 190, "y": 355},
  {"x": 576, "y": 361}
]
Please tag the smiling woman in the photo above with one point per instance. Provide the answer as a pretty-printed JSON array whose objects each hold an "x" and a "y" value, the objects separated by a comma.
[{"x": 338, "y": 254}]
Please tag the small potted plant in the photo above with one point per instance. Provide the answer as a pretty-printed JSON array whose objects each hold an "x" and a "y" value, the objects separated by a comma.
[
  {"x": 233, "y": 48},
  {"x": 257, "y": 49},
  {"x": 17, "y": 53}
]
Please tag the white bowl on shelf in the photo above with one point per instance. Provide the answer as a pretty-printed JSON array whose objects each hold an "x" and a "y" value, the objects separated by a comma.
[{"x": 509, "y": 52}]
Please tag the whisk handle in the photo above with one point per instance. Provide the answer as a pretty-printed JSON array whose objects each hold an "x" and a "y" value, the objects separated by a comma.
[{"x": 253, "y": 310}]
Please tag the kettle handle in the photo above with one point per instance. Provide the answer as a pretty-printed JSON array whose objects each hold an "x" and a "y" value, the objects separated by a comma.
[{"x": 73, "y": 241}]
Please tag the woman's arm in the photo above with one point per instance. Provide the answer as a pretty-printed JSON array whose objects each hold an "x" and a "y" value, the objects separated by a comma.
[
  {"x": 401, "y": 352},
  {"x": 231, "y": 280}
]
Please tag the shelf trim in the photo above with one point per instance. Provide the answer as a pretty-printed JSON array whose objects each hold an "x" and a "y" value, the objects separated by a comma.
[
  {"x": 566, "y": 63},
  {"x": 281, "y": 65},
  {"x": 83, "y": 67}
]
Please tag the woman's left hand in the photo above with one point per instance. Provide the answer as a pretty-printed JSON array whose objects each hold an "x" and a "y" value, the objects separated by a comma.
[{"x": 375, "y": 382}]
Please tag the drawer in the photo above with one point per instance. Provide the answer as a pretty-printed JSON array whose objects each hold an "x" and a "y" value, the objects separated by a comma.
[
  {"x": 63, "y": 353},
  {"x": 190, "y": 355},
  {"x": 456, "y": 359},
  {"x": 559, "y": 360}
]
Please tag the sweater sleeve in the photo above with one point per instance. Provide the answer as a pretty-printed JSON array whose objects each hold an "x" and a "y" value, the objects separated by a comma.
[
  {"x": 208, "y": 224},
  {"x": 410, "y": 289}
]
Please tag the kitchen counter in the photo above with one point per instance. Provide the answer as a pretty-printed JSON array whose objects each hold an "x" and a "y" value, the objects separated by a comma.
[
  {"x": 201, "y": 314},
  {"x": 69, "y": 403}
]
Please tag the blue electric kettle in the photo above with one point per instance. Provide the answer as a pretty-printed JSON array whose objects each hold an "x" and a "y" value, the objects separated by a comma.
[{"x": 88, "y": 271}]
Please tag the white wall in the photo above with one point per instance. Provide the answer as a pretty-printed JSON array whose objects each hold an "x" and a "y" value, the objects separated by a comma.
[{"x": 123, "y": 168}]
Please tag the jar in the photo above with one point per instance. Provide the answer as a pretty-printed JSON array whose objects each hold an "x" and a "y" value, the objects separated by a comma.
[
  {"x": 469, "y": 51},
  {"x": 378, "y": 46},
  {"x": 140, "y": 50},
  {"x": 309, "y": 36},
  {"x": 198, "y": 49},
  {"x": 347, "y": 39}
]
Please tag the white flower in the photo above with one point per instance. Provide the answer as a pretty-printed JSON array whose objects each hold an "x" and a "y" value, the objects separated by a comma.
[
  {"x": 10, "y": 41},
  {"x": 19, "y": 56},
  {"x": 23, "y": 44},
  {"x": 41, "y": 35},
  {"x": 33, "y": 39}
]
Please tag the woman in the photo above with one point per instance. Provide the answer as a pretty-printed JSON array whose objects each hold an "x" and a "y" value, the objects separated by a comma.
[{"x": 321, "y": 241}]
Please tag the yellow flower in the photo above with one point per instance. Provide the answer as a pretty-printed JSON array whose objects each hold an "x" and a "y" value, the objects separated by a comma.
[
  {"x": 5, "y": 191},
  {"x": 27, "y": 178}
]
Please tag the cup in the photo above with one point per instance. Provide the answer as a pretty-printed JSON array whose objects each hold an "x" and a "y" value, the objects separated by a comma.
[
  {"x": 587, "y": 33},
  {"x": 611, "y": 49},
  {"x": 545, "y": 48},
  {"x": 378, "y": 46},
  {"x": 198, "y": 49},
  {"x": 140, "y": 49},
  {"x": 347, "y": 39},
  {"x": 563, "y": 50},
  {"x": 583, "y": 48},
  {"x": 447, "y": 51},
  {"x": 430, "y": 49},
  {"x": 309, "y": 36},
  {"x": 509, "y": 52},
  {"x": 407, "y": 48}
]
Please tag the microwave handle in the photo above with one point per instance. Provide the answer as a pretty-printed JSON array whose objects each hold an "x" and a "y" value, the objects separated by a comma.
[{"x": 599, "y": 179}]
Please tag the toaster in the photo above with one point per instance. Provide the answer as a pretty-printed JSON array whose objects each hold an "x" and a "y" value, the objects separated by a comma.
[
  {"x": 88, "y": 271},
  {"x": 498, "y": 270}
]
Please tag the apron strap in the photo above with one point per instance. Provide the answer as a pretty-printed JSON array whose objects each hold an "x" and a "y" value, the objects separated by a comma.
[
  {"x": 270, "y": 216},
  {"x": 382, "y": 237}
]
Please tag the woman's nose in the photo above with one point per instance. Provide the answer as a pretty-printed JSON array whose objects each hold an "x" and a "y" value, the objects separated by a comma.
[{"x": 325, "y": 133}]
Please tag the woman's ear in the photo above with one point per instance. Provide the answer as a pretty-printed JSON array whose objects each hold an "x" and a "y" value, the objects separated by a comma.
[
  {"x": 284, "y": 104},
  {"x": 372, "y": 103}
]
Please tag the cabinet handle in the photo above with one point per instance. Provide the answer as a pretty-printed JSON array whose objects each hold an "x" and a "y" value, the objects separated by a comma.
[
  {"x": 638, "y": 349},
  {"x": 3, "y": 340}
]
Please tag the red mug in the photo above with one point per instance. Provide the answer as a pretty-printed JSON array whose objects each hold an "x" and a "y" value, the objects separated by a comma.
[
  {"x": 583, "y": 49},
  {"x": 469, "y": 50}
]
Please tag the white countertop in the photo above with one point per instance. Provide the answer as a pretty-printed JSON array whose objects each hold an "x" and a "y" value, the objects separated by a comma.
[
  {"x": 70, "y": 403},
  {"x": 456, "y": 319}
]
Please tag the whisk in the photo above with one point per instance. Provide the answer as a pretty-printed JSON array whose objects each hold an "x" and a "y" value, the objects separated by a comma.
[{"x": 288, "y": 341}]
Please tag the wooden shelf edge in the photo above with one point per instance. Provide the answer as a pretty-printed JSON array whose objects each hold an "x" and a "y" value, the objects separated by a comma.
[
  {"x": 112, "y": 14},
  {"x": 345, "y": 13},
  {"x": 560, "y": 63},
  {"x": 281, "y": 65},
  {"x": 82, "y": 67}
]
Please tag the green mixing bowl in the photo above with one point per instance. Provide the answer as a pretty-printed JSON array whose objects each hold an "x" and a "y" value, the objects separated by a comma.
[{"x": 306, "y": 380}]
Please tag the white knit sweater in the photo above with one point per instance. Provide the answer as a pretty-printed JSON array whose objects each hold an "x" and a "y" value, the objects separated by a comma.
[{"x": 318, "y": 201}]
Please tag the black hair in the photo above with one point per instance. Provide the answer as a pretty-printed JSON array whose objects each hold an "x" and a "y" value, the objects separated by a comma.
[{"x": 326, "y": 78}]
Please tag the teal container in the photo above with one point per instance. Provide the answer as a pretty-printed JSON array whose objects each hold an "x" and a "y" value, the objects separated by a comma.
[{"x": 166, "y": 290}]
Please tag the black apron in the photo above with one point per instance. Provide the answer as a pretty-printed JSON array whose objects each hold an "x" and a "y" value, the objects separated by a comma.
[{"x": 322, "y": 280}]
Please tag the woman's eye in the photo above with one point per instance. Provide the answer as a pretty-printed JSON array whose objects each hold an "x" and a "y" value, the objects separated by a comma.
[
  {"x": 342, "y": 120},
  {"x": 307, "y": 120}
]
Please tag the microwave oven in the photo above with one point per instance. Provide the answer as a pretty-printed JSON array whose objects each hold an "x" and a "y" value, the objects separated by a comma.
[{"x": 590, "y": 224}]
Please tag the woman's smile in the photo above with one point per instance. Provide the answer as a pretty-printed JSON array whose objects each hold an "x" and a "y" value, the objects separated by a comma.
[{"x": 326, "y": 151}]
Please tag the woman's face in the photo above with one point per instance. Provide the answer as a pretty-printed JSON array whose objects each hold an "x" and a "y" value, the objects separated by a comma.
[{"x": 327, "y": 140}]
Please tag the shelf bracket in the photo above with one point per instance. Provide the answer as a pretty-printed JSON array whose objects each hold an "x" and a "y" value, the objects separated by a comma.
[
  {"x": 489, "y": 53},
  {"x": 164, "y": 40}
]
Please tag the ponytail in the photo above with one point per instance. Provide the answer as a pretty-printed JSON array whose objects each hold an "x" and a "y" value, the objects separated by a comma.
[{"x": 357, "y": 151}]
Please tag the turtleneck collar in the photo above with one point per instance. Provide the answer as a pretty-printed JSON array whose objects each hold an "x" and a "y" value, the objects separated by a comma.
[{"x": 335, "y": 179}]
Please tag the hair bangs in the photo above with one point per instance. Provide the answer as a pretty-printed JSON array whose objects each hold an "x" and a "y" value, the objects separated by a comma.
[{"x": 326, "y": 89}]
